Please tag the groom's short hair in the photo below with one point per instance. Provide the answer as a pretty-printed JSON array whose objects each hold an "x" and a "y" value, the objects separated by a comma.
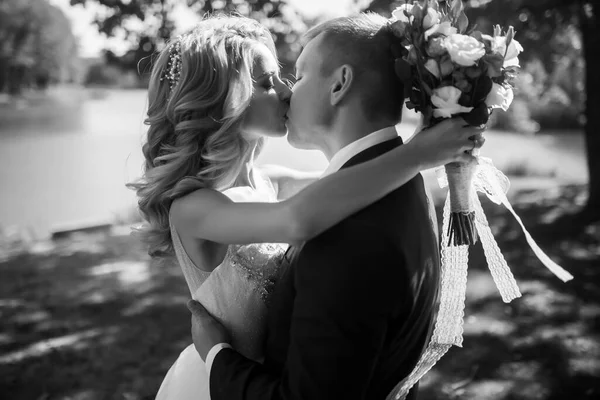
[{"x": 364, "y": 42}]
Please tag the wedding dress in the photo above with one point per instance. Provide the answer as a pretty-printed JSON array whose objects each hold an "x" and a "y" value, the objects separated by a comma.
[{"x": 235, "y": 293}]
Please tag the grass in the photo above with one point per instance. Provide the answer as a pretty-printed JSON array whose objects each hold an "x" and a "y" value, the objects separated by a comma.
[{"x": 90, "y": 317}]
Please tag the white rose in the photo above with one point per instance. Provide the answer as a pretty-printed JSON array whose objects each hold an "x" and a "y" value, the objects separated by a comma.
[
  {"x": 445, "y": 99},
  {"x": 445, "y": 28},
  {"x": 432, "y": 18},
  {"x": 464, "y": 50},
  {"x": 432, "y": 66},
  {"x": 500, "y": 97},
  {"x": 511, "y": 55},
  {"x": 398, "y": 13}
]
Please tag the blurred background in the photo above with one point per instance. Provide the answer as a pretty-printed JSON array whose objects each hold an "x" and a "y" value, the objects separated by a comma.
[{"x": 85, "y": 314}]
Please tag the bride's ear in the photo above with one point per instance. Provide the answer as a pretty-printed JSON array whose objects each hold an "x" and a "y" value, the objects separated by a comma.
[{"x": 342, "y": 81}]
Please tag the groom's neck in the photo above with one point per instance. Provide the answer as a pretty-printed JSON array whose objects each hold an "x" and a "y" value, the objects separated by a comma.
[{"x": 347, "y": 130}]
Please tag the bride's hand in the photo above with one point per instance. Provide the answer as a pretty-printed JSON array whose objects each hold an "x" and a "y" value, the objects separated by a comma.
[{"x": 452, "y": 140}]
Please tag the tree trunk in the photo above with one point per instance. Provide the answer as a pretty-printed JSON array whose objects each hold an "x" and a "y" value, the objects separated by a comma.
[{"x": 590, "y": 29}]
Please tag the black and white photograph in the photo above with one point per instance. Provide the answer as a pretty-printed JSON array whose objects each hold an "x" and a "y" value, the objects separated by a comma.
[{"x": 299, "y": 199}]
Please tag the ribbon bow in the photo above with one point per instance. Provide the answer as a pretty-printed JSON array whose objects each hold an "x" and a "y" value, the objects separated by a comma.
[{"x": 448, "y": 329}]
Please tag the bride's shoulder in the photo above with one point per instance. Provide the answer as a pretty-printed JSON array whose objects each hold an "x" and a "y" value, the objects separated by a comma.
[{"x": 196, "y": 203}]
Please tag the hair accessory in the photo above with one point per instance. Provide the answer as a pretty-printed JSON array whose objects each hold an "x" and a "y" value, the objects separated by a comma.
[{"x": 173, "y": 70}]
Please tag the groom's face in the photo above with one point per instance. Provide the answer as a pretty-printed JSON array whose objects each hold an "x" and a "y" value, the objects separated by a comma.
[{"x": 310, "y": 106}]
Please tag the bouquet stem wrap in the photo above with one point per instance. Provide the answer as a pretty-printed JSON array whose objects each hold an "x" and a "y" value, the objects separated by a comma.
[{"x": 461, "y": 230}]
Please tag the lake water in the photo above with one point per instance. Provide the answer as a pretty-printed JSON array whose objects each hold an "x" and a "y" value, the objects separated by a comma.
[
  {"x": 58, "y": 175},
  {"x": 72, "y": 171}
]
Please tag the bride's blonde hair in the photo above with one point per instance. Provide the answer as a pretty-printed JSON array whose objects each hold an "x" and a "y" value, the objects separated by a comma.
[{"x": 200, "y": 86}]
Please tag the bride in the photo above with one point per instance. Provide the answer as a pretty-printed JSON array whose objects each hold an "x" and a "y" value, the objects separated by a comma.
[{"x": 215, "y": 96}]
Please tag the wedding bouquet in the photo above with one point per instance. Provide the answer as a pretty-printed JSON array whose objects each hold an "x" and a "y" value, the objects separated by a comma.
[{"x": 448, "y": 69}]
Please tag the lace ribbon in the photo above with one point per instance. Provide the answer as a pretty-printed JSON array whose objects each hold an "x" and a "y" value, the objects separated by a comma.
[{"x": 448, "y": 328}]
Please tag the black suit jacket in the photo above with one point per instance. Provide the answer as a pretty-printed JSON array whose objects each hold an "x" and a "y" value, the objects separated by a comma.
[{"x": 353, "y": 307}]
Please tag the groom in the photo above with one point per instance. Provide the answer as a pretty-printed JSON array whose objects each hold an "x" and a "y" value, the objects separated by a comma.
[{"x": 353, "y": 307}]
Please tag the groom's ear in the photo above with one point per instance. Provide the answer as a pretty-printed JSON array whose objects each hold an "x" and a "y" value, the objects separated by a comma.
[{"x": 342, "y": 81}]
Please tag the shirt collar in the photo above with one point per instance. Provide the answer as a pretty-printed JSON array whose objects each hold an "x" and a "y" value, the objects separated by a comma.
[{"x": 346, "y": 153}]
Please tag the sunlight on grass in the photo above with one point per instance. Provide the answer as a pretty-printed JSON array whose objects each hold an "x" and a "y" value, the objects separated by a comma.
[
  {"x": 485, "y": 324},
  {"x": 487, "y": 389},
  {"x": 480, "y": 285},
  {"x": 549, "y": 305},
  {"x": 12, "y": 303},
  {"x": 147, "y": 304},
  {"x": 31, "y": 317},
  {"x": 585, "y": 365},
  {"x": 78, "y": 314},
  {"x": 43, "y": 347},
  {"x": 524, "y": 370}
]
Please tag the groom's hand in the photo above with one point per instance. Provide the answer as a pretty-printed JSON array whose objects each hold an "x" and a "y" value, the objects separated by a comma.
[{"x": 206, "y": 331}]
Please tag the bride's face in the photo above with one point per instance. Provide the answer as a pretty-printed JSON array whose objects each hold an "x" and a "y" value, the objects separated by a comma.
[{"x": 266, "y": 114}]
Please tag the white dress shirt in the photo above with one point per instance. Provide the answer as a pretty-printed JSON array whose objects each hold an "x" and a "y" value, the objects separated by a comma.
[
  {"x": 337, "y": 161},
  {"x": 346, "y": 153}
]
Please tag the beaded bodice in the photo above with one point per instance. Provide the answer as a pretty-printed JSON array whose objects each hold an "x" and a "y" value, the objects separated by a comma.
[{"x": 259, "y": 264}]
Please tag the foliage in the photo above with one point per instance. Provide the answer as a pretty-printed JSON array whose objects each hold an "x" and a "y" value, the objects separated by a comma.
[
  {"x": 157, "y": 24},
  {"x": 36, "y": 45},
  {"x": 103, "y": 75}
]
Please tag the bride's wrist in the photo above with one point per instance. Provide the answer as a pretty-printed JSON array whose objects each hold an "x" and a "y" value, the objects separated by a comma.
[{"x": 415, "y": 157}]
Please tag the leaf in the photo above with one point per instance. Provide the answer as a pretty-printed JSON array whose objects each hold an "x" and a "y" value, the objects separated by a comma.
[
  {"x": 477, "y": 35},
  {"x": 478, "y": 116},
  {"x": 465, "y": 100},
  {"x": 399, "y": 28},
  {"x": 456, "y": 8},
  {"x": 415, "y": 97},
  {"x": 473, "y": 72},
  {"x": 412, "y": 56},
  {"x": 417, "y": 12},
  {"x": 427, "y": 89},
  {"x": 482, "y": 89},
  {"x": 494, "y": 63},
  {"x": 407, "y": 89},
  {"x": 458, "y": 74},
  {"x": 472, "y": 29},
  {"x": 463, "y": 22}
]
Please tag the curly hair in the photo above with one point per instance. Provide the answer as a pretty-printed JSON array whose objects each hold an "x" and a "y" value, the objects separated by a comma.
[{"x": 194, "y": 139}]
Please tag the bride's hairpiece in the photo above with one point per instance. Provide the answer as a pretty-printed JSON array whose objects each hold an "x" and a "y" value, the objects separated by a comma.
[{"x": 173, "y": 70}]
